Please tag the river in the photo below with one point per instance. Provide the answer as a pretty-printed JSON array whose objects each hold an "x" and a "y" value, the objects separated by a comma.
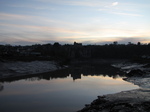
[{"x": 66, "y": 90}]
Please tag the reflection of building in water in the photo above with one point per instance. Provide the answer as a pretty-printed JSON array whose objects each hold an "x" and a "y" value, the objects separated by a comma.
[
  {"x": 76, "y": 76},
  {"x": 76, "y": 71},
  {"x": 97, "y": 69},
  {"x": 1, "y": 87}
]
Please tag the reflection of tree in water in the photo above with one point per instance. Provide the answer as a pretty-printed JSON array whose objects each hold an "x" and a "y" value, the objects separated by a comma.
[
  {"x": 95, "y": 70},
  {"x": 76, "y": 71},
  {"x": 1, "y": 87}
]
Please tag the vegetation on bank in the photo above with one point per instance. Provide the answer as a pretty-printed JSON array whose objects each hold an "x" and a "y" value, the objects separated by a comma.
[{"x": 77, "y": 51}]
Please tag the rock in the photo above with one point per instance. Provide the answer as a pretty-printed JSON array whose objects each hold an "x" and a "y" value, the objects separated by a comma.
[
  {"x": 135, "y": 73},
  {"x": 147, "y": 66},
  {"x": 129, "y": 101},
  {"x": 118, "y": 106}
]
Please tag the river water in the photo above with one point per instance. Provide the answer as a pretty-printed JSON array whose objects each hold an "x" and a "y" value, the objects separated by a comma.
[{"x": 65, "y": 90}]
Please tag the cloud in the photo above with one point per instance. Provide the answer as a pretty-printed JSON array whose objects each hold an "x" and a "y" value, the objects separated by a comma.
[
  {"x": 12, "y": 33},
  {"x": 133, "y": 40},
  {"x": 121, "y": 40},
  {"x": 32, "y": 20},
  {"x": 89, "y": 3},
  {"x": 32, "y": 6},
  {"x": 121, "y": 9},
  {"x": 38, "y": 34},
  {"x": 6, "y": 16},
  {"x": 127, "y": 14},
  {"x": 42, "y": 28},
  {"x": 115, "y": 3}
]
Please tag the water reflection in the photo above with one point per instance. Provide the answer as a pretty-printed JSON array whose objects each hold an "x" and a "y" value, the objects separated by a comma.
[
  {"x": 66, "y": 90},
  {"x": 1, "y": 87},
  {"x": 75, "y": 70}
]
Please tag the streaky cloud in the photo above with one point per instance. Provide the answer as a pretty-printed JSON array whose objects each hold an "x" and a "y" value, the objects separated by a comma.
[
  {"x": 115, "y": 3},
  {"x": 93, "y": 3},
  {"x": 127, "y": 14}
]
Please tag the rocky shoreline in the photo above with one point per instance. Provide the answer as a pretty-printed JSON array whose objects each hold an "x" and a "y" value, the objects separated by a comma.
[
  {"x": 137, "y": 100},
  {"x": 10, "y": 69}
]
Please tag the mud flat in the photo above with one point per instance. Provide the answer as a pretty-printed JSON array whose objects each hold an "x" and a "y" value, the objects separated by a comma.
[
  {"x": 137, "y": 100},
  {"x": 15, "y": 69}
]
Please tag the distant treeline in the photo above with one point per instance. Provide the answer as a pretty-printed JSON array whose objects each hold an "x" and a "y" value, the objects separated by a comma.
[{"x": 76, "y": 51}]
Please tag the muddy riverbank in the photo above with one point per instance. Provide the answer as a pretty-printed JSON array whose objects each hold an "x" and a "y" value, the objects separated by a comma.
[
  {"x": 11, "y": 69},
  {"x": 137, "y": 100}
]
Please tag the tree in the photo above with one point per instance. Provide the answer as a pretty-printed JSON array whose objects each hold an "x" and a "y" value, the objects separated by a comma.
[
  {"x": 139, "y": 43},
  {"x": 115, "y": 42},
  {"x": 56, "y": 44}
]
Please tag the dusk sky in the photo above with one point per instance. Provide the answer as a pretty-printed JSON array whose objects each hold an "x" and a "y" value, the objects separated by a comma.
[{"x": 88, "y": 21}]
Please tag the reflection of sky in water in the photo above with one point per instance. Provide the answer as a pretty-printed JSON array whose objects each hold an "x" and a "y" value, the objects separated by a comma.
[{"x": 57, "y": 95}]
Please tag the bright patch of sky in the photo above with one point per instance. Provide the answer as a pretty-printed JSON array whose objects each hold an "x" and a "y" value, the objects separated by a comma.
[
  {"x": 114, "y": 3},
  {"x": 66, "y": 21}
]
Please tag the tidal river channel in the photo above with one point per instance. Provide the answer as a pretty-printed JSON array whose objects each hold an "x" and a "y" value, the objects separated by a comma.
[{"x": 66, "y": 90}]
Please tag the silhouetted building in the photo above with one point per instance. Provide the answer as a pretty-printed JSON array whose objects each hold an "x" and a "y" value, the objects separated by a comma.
[{"x": 77, "y": 44}]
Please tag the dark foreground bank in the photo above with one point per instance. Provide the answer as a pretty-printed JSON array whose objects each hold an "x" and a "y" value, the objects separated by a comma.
[{"x": 127, "y": 101}]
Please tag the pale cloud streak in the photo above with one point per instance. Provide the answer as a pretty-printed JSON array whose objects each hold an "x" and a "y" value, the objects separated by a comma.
[
  {"x": 127, "y": 14},
  {"x": 115, "y": 3},
  {"x": 90, "y": 3},
  {"x": 6, "y": 16},
  {"x": 29, "y": 20},
  {"x": 36, "y": 7},
  {"x": 124, "y": 9}
]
